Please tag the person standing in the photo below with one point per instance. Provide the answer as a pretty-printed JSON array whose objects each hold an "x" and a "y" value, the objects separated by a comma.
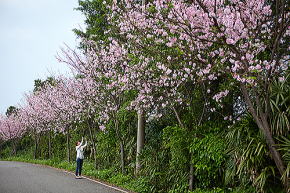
[{"x": 80, "y": 157}]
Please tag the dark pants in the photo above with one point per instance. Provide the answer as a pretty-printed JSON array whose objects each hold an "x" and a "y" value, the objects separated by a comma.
[{"x": 79, "y": 167}]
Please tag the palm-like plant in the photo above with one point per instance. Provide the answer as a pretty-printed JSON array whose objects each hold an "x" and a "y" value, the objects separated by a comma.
[
  {"x": 248, "y": 153},
  {"x": 280, "y": 118},
  {"x": 249, "y": 157},
  {"x": 280, "y": 107},
  {"x": 285, "y": 148}
]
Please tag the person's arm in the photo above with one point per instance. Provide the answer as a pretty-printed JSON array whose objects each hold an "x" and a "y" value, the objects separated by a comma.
[
  {"x": 77, "y": 147},
  {"x": 85, "y": 144},
  {"x": 82, "y": 141}
]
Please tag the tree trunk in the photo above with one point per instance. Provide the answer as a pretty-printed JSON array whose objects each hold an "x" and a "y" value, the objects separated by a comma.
[
  {"x": 49, "y": 144},
  {"x": 140, "y": 139},
  {"x": 264, "y": 127},
  {"x": 108, "y": 157},
  {"x": 262, "y": 122},
  {"x": 68, "y": 144},
  {"x": 191, "y": 177},
  {"x": 122, "y": 154},
  {"x": 14, "y": 148},
  {"x": 95, "y": 156},
  {"x": 93, "y": 143},
  {"x": 122, "y": 149},
  {"x": 274, "y": 152},
  {"x": 35, "y": 146},
  {"x": 178, "y": 117}
]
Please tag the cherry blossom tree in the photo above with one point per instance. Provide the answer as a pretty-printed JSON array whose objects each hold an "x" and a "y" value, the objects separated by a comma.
[
  {"x": 12, "y": 129},
  {"x": 244, "y": 41},
  {"x": 104, "y": 68}
]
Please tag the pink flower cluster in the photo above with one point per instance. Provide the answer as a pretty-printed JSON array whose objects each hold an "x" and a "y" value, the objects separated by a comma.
[
  {"x": 166, "y": 45},
  {"x": 217, "y": 97}
]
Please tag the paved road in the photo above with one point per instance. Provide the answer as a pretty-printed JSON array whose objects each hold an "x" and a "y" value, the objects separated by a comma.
[{"x": 17, "y": 177}]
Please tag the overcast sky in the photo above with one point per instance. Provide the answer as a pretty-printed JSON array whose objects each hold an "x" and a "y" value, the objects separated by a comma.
[{"x": 31, "y": 34}]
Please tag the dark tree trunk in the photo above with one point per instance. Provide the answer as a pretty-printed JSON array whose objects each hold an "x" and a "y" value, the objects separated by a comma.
[
  {"x": 68, "y": 144},
  {"x": 122, "y": 149},
  {"x": 191, "y": 177},
  {"x": 49, "y": 144},
  {"x": 122, "y": 154},
  {"x": 191, "y": 167},
  {"x": 35, "y": 146}
]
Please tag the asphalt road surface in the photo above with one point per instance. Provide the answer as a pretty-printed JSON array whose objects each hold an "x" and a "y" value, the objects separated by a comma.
[{"x": 17, "y": 177}]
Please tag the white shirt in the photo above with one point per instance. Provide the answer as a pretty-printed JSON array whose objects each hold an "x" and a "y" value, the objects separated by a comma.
[{"x": 80, "y": 150}]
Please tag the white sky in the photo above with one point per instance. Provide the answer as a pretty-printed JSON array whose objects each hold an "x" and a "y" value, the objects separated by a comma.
[{"x": 31, "y": 34}]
